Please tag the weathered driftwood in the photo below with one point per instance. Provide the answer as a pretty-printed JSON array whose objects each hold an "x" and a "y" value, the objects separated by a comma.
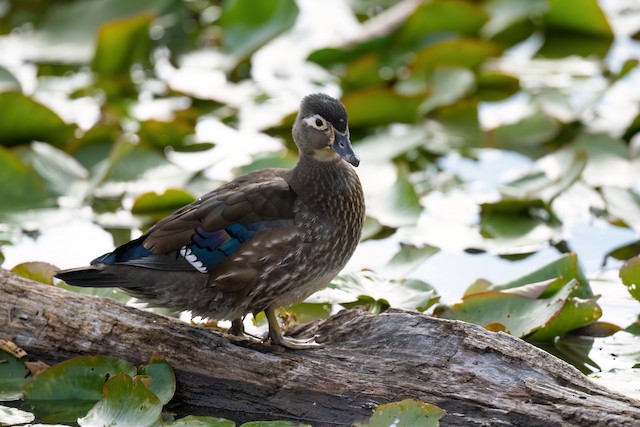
[{"x": 478, "y": 377}]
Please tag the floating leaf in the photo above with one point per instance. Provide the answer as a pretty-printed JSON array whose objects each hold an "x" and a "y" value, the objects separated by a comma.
[
  {"x": 163, "y": 379},
  {"x": 528, "y": 133},
  {"x": 608, "y": 160},
  {"x": 520, "y": 315},
  {"x": 380, "y": 106},
  {"x": 24, "y": 120},
  {"x": 623, "y": 204},
  {"x": 369, "y": 289},
  {"x": 463, "y": 52},
  {"x": 447, "y": 85},
  {"x": 496, "y": 86},
  {"x": 20, "y": 186},
  {"x": 248, "y": 24},
  {"x": 121, "y": 43},
  {"x": 125, "y": 402},
  {"x": 194, "y": 421},
  {"x": 407, "y": 259},
  {"x": 8, "y": 82},
  {"x": 406, "y": 413},
  {"x": 39, "y": 271},
  {"x": 69, "y": 389},
  {"x": 273, "y": 424},
  {"x": 160, "y": 205},
  {"x": 630, "y": 275},
  {"x": 576, "y": 313},
  {"x": 13, "y": 375}
]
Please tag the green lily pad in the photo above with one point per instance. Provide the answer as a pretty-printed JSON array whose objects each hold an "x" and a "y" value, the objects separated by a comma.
[
  {"x": 273, "y": 424},
  {"x": 377, "y": 293},
  {"x": 623, "y": 252},
  {"x": 496, "y": 86},
  {"x": 63, "y": 175},
  {"x": 379, "y": 106},
  {"x": 160, "y": 205},
  {"x": 461, "y": 52},
  {"x": 407, "y": 259},
  {"x": 519, "y": 314},
  {"x": 69, "y": 389},
  {"x": 575, "y": 313},
  {"x": 163, "y": 379},
  {"x": 13, "y": 375},
  {"x": 8, "y": 82},
  {"x": 406, "y": 413},
  {"x": 194, "y": 421},
  {"x": 513, "y": 226},
  {"x": 447, "y": 85},
  {"x": 588, "y": 19},
  {"x": 398, "y": 205},
  {"x": 510, "y": 21},
  {"x": 630, "y": 275},
  {"x": 527, "y": 134},
  {"x": 69, "y": 31},
  {"x": 125, "y": 402},
  {"x": 20, "y": 187},
  {"x": 249, "y": 24},
  {"x": 121, "y": 43},
  {"x": 567, "y": 267},
  {"x": 24, "y": 120},
  {"x": 622, "y": 204},
  {"x": 39, "y": 271}
]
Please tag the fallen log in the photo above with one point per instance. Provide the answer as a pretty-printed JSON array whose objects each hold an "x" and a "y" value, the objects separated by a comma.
[{"x": 478, "y": 377}]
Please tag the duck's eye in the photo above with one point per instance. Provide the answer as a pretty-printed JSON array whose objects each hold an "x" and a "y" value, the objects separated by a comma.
[{"x": 319, "y": 123}]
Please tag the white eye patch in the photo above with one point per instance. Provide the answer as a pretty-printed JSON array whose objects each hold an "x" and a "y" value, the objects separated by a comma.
[{"x": 316, "y": 121}]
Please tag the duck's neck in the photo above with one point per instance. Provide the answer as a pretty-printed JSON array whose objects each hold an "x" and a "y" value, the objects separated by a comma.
[{"x": 317, "y": 181}]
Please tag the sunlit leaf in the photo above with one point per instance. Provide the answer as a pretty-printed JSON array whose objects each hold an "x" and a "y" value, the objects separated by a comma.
[
  {"x": 13, "y": 375},
  {"x": 125, "y": 402},
  {"x": 407, "y": 259},
  {"x": 194, "y": 421},
  {"x": 518, "y": 226},
  {"x": 163, "y": 379},
  {"x": 511, "y": 20},
  {"x": 519, "y": 314},
  {"x": 463, "y": 52},
  {"x": 496, "y": 86},
  {"x": 248, "y": 24},
  {"x": 586, "y": 20},
  {"x": 20, "y": 186},
  {"x": 367, "y": 288},
  {"x": 273, "y": 424},
  {"x": 62, "y": 173},
  {"x": 121, "y": 43},
  {"x": 69, "y": 32},
  {"x": 630, "y": 275},
  {"x": 8, "y": 82},
  {"x": 407, "y": 413},
  {"x": 623, "y": 204},
  {"x": 608, "y": 160},
  {"x": 566, "y": 267},
  {"x": 576, "y": 313},
  {"x": 528, "y": 133},
  {"x": 380, "y": 106},
  {"x": 69, "y": 389},
  {"x": 24, "y": 120},
  {"x": 397, "y": 205},
  {"x": 447, "y": 85},
  {"x": 623, "y": 253},
  {"x": 39, "y": 271},
  {"x": 160, "y": 205}
]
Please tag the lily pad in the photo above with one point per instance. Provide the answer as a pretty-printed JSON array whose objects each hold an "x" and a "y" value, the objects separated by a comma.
[
  {"x": 407, "y": 259},
  {"x": 8, "y": 82},
  {"x": 630, "y": 275},
  {"x": 273, "y": 424},
  {"x": 623, "y": 204},
  {"x": 406, "y": 413},
  {"x": 163, "y": 379},
  {"x": 24, "y": 120},
  {"x": 447, "y": 85},
  {"x": 39, "y": 271},
  {"x": 13, "y": 375},
  {"x": 20, "y": 187},
  {"x": 69, "y": 389},
  {"x": 125, "y": 402},
  {"x": 194, "y": 421},
  {"x": 379, "y": 106},
  {"x": 520, "y": 315},
  {"x": 397, "y": 205},
  {"x": 160, "y": 205},
  {"x": 249, "y": 24}
]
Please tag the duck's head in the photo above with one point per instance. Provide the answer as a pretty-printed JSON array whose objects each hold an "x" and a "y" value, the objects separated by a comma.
[{"x": 321, "y": 130}]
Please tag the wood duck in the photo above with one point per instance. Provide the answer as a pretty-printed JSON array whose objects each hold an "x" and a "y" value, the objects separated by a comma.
[{"x": 265, "y": 240}]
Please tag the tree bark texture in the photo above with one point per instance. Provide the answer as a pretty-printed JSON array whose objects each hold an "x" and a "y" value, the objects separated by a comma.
[{"x": 479, "y": 377}]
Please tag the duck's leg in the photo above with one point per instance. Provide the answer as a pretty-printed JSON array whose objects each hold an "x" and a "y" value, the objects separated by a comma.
[
  {"x": 275, "y": 334},
  {"x": 237, "y": 329}
]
